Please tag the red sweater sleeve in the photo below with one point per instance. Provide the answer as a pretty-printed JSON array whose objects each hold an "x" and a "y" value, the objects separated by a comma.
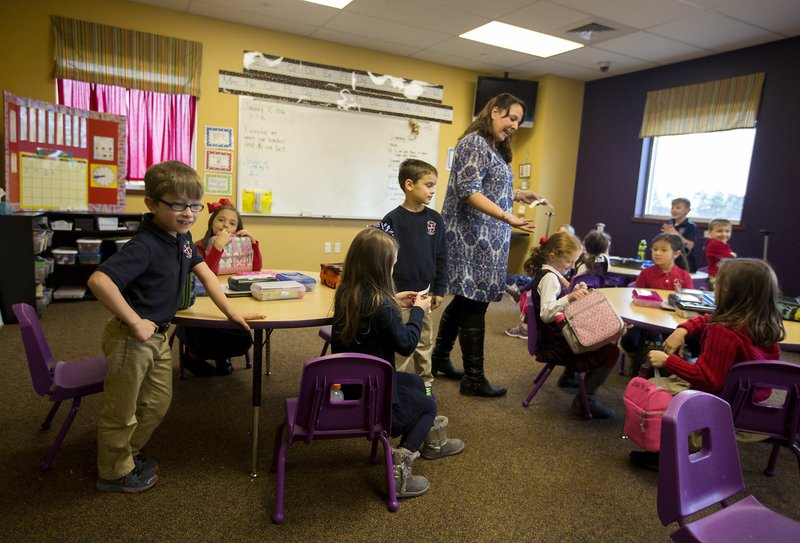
[
  {"x": 256, "y": 257},
  {"x": 719, "y": 351},
  {"x": 212, "y": 257}
]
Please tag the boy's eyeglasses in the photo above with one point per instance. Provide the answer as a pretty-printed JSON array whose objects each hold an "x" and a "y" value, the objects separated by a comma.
[{"x": 180, "y": 206}]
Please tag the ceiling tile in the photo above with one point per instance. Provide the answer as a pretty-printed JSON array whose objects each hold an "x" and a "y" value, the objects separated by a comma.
[
  {"x": 652, "y": 48},
  {"x": 636, "y": 13},
  {"x": 714, "y": 32}
]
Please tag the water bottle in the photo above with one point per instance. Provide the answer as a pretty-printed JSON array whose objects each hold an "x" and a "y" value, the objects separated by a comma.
[
  {"x": 336, "y": 393},
  {"x": 642, "y": 252}
]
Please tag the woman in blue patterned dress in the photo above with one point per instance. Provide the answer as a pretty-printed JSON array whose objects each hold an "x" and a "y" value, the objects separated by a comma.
[{"x": 478, "y": 218}]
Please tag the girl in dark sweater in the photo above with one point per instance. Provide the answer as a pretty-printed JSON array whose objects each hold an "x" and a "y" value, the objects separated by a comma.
[{"x": 367, "y": 320}]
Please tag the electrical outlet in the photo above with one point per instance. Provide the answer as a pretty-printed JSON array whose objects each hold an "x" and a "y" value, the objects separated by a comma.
[
  {"x": 327, "y": 246},
  {"x": 337, "y": 247}
]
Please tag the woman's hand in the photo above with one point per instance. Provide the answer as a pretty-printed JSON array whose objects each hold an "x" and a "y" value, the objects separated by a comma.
[
  {"x": 222, "y": 239},
  {"x": 244, "y": 233},
  {"x": 436, "y": 301},
  {"x": 522, "y": 223},
  {"x": 529, "y": 197},
  {"x": 657, "y": 359}
]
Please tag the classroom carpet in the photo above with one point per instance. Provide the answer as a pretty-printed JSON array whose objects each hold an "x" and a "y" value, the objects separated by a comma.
[{"x": 536, "y": 474}]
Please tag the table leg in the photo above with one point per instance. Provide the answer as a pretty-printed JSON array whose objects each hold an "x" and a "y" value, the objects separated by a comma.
[
  {"x": 258, "y": 336},
  {"x": 267, "y": 357}
]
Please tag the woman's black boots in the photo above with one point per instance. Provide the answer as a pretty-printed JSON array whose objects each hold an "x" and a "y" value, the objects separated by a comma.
[
  {"x": 445, "y": 339},
  {"x": 474, "y": 383}
]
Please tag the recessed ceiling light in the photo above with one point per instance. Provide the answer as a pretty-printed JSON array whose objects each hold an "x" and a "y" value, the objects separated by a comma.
[
  {"x": 520, "y": 39},
  {"x": 338, "y": 4}
]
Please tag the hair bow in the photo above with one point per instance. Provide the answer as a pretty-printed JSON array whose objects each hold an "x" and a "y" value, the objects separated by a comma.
[
  {"x": 383, "y": 226},
  {"x": 214, "y": 206},
  {"x": 543, "y": 240}
]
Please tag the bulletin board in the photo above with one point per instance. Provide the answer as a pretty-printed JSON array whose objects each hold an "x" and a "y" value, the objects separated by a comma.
[
  {"x": 63, "y": 158},
  {"x": 306, "y": 161}
]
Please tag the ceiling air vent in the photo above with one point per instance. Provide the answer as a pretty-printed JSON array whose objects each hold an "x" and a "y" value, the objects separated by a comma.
[{"x": 586, "y": 31}]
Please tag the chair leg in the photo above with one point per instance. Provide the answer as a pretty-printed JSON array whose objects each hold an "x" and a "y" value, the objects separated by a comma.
[
  {"x": 277, "y": 447},
  {"x": 537, "y": 383},
  {"x": 56, "y": 446},
  {"x": 391, "y": 500},
  {"x": 769, "y": 471},
  {"x": 795, "y": 448},
  {"x": 278, "y": 516},
  {"x": 587, "y": 414},
  {"x": 373, "y": 456},
  {"x": 324, "y": 349},
  {"x": 49, "y": 419}
]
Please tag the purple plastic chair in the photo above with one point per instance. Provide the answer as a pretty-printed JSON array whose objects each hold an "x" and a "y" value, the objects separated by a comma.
[
  {"x": 548, "y": 368},
  {"x": 689, "y": 482},
  {"x": 776, "y": 415},
  {"x": 57, "y": 379},
  {"x": 592, "y": 280},
  {"x": 325, "y": 333},
  {"x": 366, "y": 411}
]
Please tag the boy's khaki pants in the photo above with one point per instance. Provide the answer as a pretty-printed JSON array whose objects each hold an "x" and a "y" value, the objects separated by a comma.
[
  {"x": 137, "y": 394},
  {"x": 420, "y": 361}
]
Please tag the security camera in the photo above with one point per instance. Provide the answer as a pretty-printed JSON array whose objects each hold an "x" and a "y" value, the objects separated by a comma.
[{"x": 604, "y": 65}]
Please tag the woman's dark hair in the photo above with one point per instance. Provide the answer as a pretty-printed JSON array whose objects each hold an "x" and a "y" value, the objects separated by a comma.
[
  {"x": 746, "y": 292},
  {"x": 210, "y": 231},
  {"x": 595, "y": 243},
  {"x": 483, "y": 123},
  {"x": 677, "y": 245}
]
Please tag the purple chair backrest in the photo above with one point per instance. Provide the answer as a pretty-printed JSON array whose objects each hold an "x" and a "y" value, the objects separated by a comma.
[
  {"x": 367, "y": 385},
  {"x": 592, "y": 280},
  {"x": 689, "y": 482},
  {"x": 40, "y": 359},
  {"x": 765, "y": 397}
]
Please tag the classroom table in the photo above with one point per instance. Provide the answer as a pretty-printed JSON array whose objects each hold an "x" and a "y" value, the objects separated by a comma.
[
  {"x": 633, "y": 273},
  {"x": 314, "y": 309},
  {"x": 663, "y": 321}
]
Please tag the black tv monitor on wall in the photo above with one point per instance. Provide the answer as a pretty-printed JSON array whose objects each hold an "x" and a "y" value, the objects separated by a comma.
[{"x": 489, "y": 87}]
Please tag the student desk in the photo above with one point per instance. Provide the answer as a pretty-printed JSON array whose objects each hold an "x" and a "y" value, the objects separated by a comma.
[
  {"x": 660, "y": 320},
  {"x": 314, "y": 309},
  {"x": 633, "y": 273}
]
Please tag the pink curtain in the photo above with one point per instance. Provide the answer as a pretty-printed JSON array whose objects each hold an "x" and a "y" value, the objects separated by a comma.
[{"x": 160, "y": 126}]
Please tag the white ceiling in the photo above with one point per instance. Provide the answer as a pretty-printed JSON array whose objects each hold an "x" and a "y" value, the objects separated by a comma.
[{"x": 647, "y": 33}]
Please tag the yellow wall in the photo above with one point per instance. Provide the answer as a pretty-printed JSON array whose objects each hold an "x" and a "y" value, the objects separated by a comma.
[{"x": 26, "y": 68}]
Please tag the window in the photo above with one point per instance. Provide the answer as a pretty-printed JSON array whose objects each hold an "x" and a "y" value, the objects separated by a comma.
[
  {"x": 709, "y": 168},
  {"x": 160, "y": 126}
]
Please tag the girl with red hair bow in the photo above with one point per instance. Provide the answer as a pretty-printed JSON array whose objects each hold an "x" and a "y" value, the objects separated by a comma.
[{"x": 224, "y": 225}]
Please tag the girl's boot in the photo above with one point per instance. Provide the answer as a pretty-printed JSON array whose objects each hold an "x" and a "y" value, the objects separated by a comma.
[
  {"x": 406, "y": 484},
  {"x": 474, "y": 382},
  {"x": 437, "y": 445},
  {"x": 593, "y": 380}
]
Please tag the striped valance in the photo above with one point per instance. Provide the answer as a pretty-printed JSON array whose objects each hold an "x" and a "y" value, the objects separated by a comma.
[
  {"x": 705, "y": 107},
  {"x": 108, "y": 55}
]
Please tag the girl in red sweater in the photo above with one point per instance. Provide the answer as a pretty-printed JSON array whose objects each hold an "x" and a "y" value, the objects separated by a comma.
[
  {"x": 746, "y": 325},
  {"x": 226, "y": 248}
]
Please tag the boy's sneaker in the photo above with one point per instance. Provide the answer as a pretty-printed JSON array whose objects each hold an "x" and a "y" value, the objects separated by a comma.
[
  {"x": 145, "y": 465},
  {"x": 224, "y": 366},
  {"x": 517, "y": 331},
  {"x": 133, "y": 482}
]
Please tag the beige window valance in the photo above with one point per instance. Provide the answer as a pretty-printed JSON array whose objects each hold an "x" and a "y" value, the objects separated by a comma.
[
  {"x": 108, "y": 55},
  {"x": 725, "y": 104}
]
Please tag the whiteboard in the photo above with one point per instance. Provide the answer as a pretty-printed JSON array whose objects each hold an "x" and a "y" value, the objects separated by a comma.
[{"x": 326, "y": 163}]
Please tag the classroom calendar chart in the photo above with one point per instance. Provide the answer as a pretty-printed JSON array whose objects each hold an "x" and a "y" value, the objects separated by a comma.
[
  {"x": 322, "y": 162},
  {"x": 53, "y": 183},
  {"x": 63, "y": 158}
]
